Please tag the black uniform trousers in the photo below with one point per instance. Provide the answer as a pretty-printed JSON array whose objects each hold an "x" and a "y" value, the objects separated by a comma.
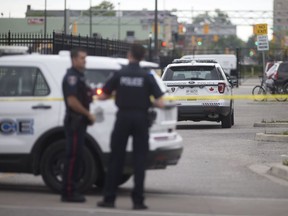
[
  {"x": 75, "y": 140},
  {"x": 135, "y": 123}
]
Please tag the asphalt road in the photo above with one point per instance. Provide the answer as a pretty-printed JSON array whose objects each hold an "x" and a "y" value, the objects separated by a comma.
[{"x": 221, "y": 172}]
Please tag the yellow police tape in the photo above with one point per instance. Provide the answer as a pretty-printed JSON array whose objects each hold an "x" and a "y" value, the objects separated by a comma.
[
  {"x": 280, "y": 97},
  {"x": 229, "y": 97}
]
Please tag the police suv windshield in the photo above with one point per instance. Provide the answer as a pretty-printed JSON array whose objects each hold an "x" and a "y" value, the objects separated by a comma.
[
  {"x": 182, "y": 73},
  {"x": 98, "y": 77}
]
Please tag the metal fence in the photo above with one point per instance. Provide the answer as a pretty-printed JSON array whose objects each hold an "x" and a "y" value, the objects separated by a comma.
[{"x": 53, "y": 43}]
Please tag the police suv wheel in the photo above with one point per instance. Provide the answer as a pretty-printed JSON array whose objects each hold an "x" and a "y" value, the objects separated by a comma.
[
  {"x": 100, "y": 181},
  {"x": 52, "y": 165},
  {"x": 124, "y": 179},
  {"x": 227, "y": 121}
]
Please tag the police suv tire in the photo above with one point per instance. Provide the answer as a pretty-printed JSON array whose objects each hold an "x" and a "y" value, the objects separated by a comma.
[
  {"x": 232, "y": 116},
  {"x": 125, "y": 178},
  {"x": 52, "y": 164},
  {"x": 100, "y": 181},
  {"x": 227, "y": 121}
]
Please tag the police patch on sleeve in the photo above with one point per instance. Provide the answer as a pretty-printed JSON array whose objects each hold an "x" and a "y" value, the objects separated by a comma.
[{"x": 72, "y": 80}]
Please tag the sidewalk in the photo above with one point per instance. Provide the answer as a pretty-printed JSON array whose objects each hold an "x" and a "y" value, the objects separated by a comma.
[
  {"x": 250, "y": 82},
  {"x": 159, "y": 205}
]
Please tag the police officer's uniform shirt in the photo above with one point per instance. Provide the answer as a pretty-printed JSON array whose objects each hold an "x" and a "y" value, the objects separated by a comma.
[
  {"x": 74, "y": 85},
  {"x": 133, "y": 86}
]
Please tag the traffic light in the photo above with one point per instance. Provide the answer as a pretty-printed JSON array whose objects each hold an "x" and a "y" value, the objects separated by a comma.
[
  {"x": 215, "y": 38},
  {"x": 193, "y": 40},
  {"x": 199, "y": 41},
  {"x": 181, "y": 29},
  {"x": 206, "y": 28},
  {"x": 252, "y": 52},
  {"x": 163, "y": 43}
]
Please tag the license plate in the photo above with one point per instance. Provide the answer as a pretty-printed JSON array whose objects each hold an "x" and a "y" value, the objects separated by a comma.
[{"x": 191, "y": 91}]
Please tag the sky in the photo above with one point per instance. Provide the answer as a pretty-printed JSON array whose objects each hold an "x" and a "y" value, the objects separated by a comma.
[{"x": 9, "y": 10}]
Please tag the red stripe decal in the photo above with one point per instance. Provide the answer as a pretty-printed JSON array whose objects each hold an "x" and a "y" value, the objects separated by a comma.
[{"x": 72, "y": 163}]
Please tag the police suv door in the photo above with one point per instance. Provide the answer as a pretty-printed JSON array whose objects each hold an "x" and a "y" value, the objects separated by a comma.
[{"x": 29, "y": 105}]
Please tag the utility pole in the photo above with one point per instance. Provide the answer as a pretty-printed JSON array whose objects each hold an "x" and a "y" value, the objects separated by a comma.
[
  {"x": 45, "y": 19},
  {"x": 156, "y": 31},
  {"x": 65, "y": 18},
  {"x": 90, "y": 19},
  {"x": 119, "y": 22}
]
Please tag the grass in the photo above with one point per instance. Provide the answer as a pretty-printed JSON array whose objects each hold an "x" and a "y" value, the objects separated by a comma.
[
  {"x": 274, "y": 121},
  {"x": 279, "y": 133}
]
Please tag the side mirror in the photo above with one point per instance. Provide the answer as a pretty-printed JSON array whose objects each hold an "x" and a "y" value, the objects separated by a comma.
[{"x": 229, "y": 80}]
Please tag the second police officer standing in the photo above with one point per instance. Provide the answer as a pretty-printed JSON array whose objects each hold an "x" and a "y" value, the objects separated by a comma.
[
  {"x": 77, "y": 97},
  {"x": 133, "y": 87}
]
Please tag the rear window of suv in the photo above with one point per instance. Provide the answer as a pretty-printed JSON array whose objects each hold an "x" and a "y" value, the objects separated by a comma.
[
  {"x": 192, "y": 73},
  {"x": 98, "y": 77}
]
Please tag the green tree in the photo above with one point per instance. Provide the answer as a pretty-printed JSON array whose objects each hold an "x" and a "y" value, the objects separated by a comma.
[
  {"x": 219, "y": 17},
  {"x": 105, "y": 8},
  {"x": 224, "y": 43}
]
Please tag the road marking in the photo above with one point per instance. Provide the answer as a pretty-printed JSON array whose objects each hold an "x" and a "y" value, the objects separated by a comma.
[{"x": 108, "y": 211}]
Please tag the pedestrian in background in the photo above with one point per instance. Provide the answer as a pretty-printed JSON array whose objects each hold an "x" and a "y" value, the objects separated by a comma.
[
  {"x": 133, "y": 87},
  {"x": 77, "y": 97}
]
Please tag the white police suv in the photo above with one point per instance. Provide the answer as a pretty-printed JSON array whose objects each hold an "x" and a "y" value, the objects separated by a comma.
[
  {"x": 199, "y": 87},
  {"x": 32, "y": 138}
]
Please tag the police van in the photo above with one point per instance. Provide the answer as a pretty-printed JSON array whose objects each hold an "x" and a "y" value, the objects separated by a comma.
[{"x": 32, "y": 138}]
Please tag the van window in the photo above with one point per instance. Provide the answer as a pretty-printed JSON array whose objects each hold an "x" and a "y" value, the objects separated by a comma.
[
  {"x": 22, "y": 81},
  {"x": 192, "y": 73}
]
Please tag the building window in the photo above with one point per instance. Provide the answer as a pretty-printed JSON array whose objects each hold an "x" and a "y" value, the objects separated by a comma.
[{"x": 130, "y": 33}]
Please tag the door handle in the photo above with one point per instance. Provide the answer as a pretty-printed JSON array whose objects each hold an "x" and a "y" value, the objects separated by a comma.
[{"x": 41, "y": 106}]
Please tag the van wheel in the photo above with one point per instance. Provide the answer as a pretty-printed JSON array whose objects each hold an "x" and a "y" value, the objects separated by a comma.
[
  {"x": 227, "y": 121},
  {"x": 52, "y": 166}
]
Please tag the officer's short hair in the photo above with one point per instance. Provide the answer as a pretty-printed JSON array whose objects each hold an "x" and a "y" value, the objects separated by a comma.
[
  {"x": 75, "y": 51},
  {"x": 137, "y": 51}
]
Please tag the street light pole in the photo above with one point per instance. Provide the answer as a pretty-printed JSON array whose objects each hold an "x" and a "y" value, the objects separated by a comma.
[
  {"x": 156, "y": 30},
  {"x": 45, "y": 19},
  {"x": 150, "y": 46}
]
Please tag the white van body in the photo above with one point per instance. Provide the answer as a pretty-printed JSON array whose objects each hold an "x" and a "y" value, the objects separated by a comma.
[{"x": 227, "y": 61}]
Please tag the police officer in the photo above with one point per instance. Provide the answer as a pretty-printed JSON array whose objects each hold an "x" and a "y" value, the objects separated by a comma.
[
  {"x": 77, "y": 97},
  {"x": 133, "y": 87}
]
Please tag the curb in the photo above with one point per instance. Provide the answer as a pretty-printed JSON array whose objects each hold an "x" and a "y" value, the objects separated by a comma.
[
  {"x": 276, "y": 125},
  {"x": 271, "y": 137},
  {"x": 279, "y": 170}
]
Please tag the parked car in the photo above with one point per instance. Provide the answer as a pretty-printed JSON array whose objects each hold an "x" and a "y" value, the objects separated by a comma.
[
  {"x": 278, "y": 75},
  {"x": 190, "y": 79},
  {"x": 31, "y": 122}
]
